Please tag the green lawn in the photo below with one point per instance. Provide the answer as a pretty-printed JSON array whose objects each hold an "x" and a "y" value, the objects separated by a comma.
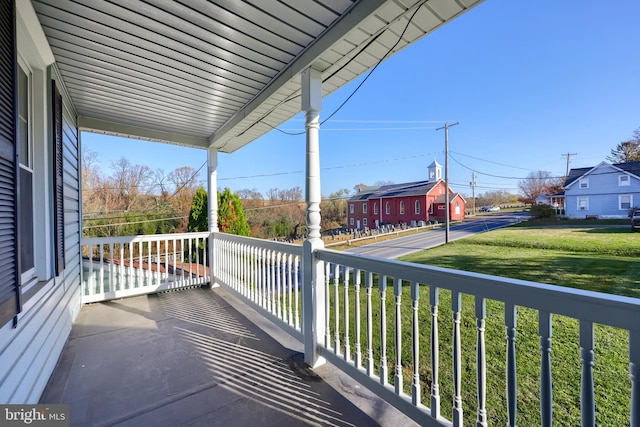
[{"x": 598, "y": 259}]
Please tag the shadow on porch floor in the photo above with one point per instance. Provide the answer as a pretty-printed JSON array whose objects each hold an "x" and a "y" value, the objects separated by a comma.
[{"x": 199, "y": 357}]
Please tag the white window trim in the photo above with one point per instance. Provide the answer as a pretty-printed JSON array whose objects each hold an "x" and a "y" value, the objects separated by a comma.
[
  {"x": 32, "y": 58},
  {"x": 417, "y": 207},
  {"x": 586, "y": 198},
  {"x": 584, "y": 181},
  {"x": 351, "y": 208},
  {"x": 365, "y": 221},
  {"x": 351, "y": 221},
  {"x": 401, "y": 207},
  {"x": 364, "y": 208},
  {"x": 387, "y": 208},
  {"x": 620, "y": 202},
  {"x": 375, "y": 208},
  {"x": 624, "y": 180}
]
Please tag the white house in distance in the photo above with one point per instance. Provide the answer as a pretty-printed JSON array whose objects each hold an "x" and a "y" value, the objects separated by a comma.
[{"x": 603, "y": 191}]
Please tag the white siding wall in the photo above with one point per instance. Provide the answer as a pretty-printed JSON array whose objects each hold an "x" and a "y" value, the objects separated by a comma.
[
  {"x": 603, "y": 194},
  {"x": 30, "y": 351}
]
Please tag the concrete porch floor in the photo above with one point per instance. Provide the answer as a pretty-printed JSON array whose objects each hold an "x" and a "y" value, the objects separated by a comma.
[{"x": 199, "y": 357}]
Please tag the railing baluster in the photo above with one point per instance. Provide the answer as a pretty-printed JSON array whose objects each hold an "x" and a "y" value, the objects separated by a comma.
[
  {"x": 587, "y": 403},
  {"x": 158, "y": 275},
  {"x": 149, "y": 262},
  {"x": 510, "y": 323},
  {"x": 174, "y": 260},
  {"x": 384, "y": 370},
  {"x": 347, "y": 346},
  {"x": 263, "y": 278},
  {"x": 286, "y": 279},
  {"x": 297, "y": 291},
  {"x": 166, "y": 259},
  {"x": 369, "y": 288},
  {"x": 112, "y": 276},
  {"x": 123, "y": 284},
  {"x": 336, "y": 308},
  {"x": 435, "y": 353},
  {"x": 456, "y": 307},
  {"x": 278, "y": 294},
  {"x": 289, "y": 289},
  {"x": 327, "y": 305},
  {"x": 356, "y": 318},
  {"x": 634, "y": 370},
  {"x": 481, "y": 362},
  {"x": 92, "y": 281},
  {"x": 416, "y": 392},
  {"x": 397, "y": 292},
  {"x": 102, "y": 269},
  {"x": 546, "y": 393},
  {"x": 272, "y": 287}
]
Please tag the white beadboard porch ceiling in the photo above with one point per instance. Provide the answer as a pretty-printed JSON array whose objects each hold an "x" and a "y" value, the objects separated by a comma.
[{"x": 218, "y": 73}]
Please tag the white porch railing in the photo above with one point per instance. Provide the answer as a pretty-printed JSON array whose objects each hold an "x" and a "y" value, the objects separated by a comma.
[
  {"x": 263, "y": 272},
  {"x": 365, "y": 312},
  {"x": 368, "y": 302},
  {"x": 349, "y": 335},
  {"x": 117, "y": 267}
]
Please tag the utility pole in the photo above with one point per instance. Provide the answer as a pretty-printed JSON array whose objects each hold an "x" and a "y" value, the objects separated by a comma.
[
  {"x": 446, "y": 177},
  {"x": 568, "y": 156},
  {"x": 473, "y": 191}
]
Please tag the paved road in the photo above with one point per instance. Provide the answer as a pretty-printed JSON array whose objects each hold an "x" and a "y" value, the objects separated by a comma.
[{"x": 401, "y": 246}]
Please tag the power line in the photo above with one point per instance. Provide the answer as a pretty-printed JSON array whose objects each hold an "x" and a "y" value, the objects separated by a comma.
[
  {"x": 341, "y": 68},
  {"x": 134, "y": 222}
]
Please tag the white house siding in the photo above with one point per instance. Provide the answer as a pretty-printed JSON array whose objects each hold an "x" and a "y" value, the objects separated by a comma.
[
  {"x": 603, "y": 194},
  {"x": 30, "y": 350}
]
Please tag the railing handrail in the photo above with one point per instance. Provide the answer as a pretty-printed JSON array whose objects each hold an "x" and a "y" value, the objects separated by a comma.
[
  {"x": 140, "y": 238},
  {"x": 597, "y": 307},
  {"x": 291, "y": 248}
]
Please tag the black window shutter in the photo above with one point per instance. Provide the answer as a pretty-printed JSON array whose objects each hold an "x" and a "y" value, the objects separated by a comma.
[
  {"x": 58, "y": 179},
  {"x": 9, "y": 277}
]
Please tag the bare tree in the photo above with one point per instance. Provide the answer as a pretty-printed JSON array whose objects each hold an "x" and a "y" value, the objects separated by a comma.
[
  {"x": 535, "y": 184},
  {"x": 130, "y": 181}
]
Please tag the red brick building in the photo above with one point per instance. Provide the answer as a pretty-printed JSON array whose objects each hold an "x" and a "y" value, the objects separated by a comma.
[{"x": 408, "y": 203}]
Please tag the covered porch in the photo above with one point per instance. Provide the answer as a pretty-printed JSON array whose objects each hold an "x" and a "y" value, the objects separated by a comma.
[{"x": 216, "y": 76}]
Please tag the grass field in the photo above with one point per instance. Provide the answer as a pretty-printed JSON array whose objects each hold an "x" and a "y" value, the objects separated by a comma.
[{"x": 598, "y": 258}]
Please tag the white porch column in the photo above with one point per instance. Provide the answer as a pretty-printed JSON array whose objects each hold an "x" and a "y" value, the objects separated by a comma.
[
  {"x": 313, "y": 271},
  {"x": 212, "y": 202}
]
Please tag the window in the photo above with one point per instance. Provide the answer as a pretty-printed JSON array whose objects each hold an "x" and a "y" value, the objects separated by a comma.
[
  {"x": 25, "y": 159},
  {"x": 364, "y": 208},
  {"x": 625, "y": 201},
  {"x": 402, "y": 207},
  {"x": 364, "y": 221},
  {"x": 583, "y": 203},
  {"x": 351, "y": 221},
  {"x": 584, "y": 182},
  {"x": 375, "y": 208},
  {"x": 431, "y": 208},
  {"x": 623, "y": 180},
  {"x": 417, "y": 206},
  {"x": 351, "y": 208},
  {"x": 387, "y": 208}
]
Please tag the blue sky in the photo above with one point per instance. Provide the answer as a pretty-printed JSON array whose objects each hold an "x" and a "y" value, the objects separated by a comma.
[{"x": 528, "y": 81}]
